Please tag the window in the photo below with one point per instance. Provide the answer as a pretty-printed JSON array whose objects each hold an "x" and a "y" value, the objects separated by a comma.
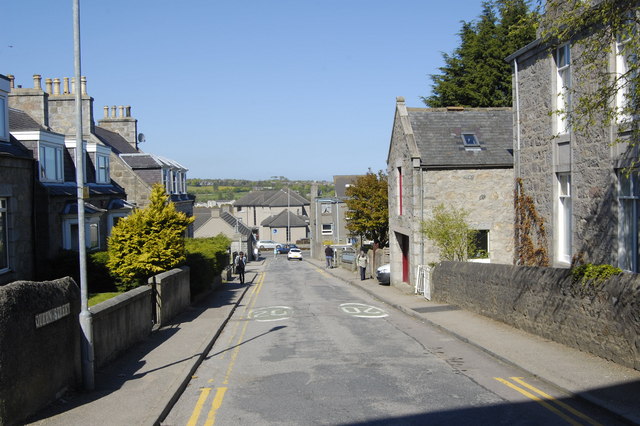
[
  {"x": 629, "y": 211},
  {"x": 399, "y": 191},
  {"x": 4, "y": 240},
  {"x": 102, "y": 169},
  {"x": 480, "y": 243},
  {"x": 326, "y": 208},
  {"x": 563, "y": 87},
  {"x": 470, "y": 139},
  {"x": 564, "y": 217},
  {"x": 166, "y": 180},
  {"x": 50, "y": 161},
  {"x": 327, "y": 229},
  {"x": 91, "y": 234},
  {"x": 624, "y": 89}
]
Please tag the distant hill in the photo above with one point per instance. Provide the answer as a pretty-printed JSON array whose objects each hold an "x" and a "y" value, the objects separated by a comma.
[{"x": 233, "y": 189}]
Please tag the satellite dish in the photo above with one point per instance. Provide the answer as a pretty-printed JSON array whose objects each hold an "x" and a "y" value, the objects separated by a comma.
[{"x": 141, "y": 137}]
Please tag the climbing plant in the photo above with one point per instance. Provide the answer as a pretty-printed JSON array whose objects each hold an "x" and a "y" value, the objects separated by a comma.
[{"x": 530, "y": 233}]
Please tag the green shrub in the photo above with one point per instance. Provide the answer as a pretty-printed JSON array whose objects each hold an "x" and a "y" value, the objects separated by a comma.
[
  {"x": 67, "y": 263},
  {"x": 206, "y": 258},
  {"x": 593, "y": 273}
]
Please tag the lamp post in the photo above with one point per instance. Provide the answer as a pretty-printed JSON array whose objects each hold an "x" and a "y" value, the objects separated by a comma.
[{"x": 86, "y": 324}]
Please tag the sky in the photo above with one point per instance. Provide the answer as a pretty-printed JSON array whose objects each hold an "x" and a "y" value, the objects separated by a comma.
[{"x": 245, "y": 89}]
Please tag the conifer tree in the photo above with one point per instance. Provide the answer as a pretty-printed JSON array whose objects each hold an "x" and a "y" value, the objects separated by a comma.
[
  {"x": 147, "y": 242},
  {"x": 476, "y": 74}
]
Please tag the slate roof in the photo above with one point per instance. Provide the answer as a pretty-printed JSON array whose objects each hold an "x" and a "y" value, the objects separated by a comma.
[
  {"x": 20, "y": 121},
  {"x": 141, "y": 160},
  {"x": 203, "y": 215},
  {"x": 280, "y": 220},
  {"x": 341, "y": 183},
  {"x": 14, "y": 148},
  {"x": 272, "y": 198},
  {"x": 114, "y": 140},
  {"x": 438, "y": 131}
]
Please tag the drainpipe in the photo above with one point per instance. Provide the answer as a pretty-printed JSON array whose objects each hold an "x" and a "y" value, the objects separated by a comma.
[{"x": 517, "y": 150}]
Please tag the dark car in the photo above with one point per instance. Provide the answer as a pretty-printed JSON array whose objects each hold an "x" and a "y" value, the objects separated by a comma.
[
  {"x": 383, "y": 274},
  {"x": 284, "y": 249}
]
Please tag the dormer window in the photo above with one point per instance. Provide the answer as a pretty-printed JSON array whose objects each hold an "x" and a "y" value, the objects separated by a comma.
[
  {"x": 50, "y": 162},
  {"x": 100, "y": 155},
  {"x": 470, "y": 139}
]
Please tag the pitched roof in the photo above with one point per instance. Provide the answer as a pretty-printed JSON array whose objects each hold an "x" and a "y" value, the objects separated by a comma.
[
  {"x": 20, "y": 121},
  {"x": 141, "y": 160},
  {"x": 14, "y": 148},
  {"x": 272, "y": 198},
  {"x": 280, "y": 220},
  {"x": 114, "y": 140},
  {"x": 203, "y": 215},
  {"x": 342, "y": 182},
  {"x": 438, "y": 136}
]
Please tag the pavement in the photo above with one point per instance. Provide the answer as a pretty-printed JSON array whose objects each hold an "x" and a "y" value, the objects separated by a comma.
[{"x": 141, "y": 386}]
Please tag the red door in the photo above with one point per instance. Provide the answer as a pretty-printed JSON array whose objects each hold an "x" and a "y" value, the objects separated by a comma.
[{"x": 404, "y": 245}]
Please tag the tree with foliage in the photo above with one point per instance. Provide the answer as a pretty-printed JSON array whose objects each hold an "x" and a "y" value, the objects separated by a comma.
[
  {"x": 599, "y": 31},
  {"x": 368, "y": 214},
  {"x": 450, "y": 232},
  {"x": 147, "y": 242},
  {"x": 476, "y": 74}
]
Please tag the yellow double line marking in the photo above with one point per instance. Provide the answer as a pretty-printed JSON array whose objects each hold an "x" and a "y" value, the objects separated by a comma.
[
  {"x": 548, "y": 401},
  {"x": 221, "y": 390}
]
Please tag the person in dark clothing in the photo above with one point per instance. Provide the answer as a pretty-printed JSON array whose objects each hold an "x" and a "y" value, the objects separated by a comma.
[
  {"x": 328, "y": 252},
  {"x": 241, "y": 262}
]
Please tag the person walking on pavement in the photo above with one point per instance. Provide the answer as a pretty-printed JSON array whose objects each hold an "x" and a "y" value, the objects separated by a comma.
[
  {"x": 328, "y": 252},
  {"x": 241, "y": 262},
  {"x": 362, "y": 261}
]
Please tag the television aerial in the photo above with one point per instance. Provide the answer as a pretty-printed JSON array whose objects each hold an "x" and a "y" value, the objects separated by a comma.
[{"x": 141, "y": 137}]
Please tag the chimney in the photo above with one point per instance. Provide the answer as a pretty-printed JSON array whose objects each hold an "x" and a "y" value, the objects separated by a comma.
[
  {"x": 122, "y": 123},
  {"x": 48, "y": 84},
  {"x": 11, "y": 81},
  {"x": 37, "y": 79}
]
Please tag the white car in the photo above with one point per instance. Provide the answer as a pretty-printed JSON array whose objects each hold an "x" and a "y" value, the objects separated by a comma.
[
  {"x": 267, "y": 244},
  {"x": 294, "y": 253}
]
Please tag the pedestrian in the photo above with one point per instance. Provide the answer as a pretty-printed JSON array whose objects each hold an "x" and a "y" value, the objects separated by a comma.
[
  {"x": 256, "y": 253},
  {"x": 362, "y": 261},
  {"x": 328, "y": 252},
  {"x": 275, "y": 252},
  {"x": 241, "y": 262}
]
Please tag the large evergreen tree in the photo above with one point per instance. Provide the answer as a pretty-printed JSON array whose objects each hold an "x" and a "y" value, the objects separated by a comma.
[{"x": 476, "y": 74}]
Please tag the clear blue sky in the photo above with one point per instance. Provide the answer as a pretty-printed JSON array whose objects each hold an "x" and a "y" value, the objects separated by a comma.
[{"x": 304, "y": 89}]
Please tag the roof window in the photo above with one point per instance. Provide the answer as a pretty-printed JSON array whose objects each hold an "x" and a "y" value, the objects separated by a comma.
[{"x": 470, "y": 139}]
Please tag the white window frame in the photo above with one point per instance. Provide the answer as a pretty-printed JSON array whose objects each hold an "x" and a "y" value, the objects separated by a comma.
[
  {"x": 628, "y": 220},
  {"x": 44, "y": 150},
  {"x": 102, "y": 162},
  {"x": 327, "y": 229},
  {"x": 565, "y": 219},
  {"x": 325, "y": 208},
  {"x": 92, "y": 229},
  {"x": 4, "y": 234},
  {"x": 623, "y": 87},
  {"x": 563, "y": 88}
]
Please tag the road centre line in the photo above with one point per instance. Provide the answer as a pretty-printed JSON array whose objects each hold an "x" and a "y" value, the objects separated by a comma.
[{"x": 543, "y": 402}]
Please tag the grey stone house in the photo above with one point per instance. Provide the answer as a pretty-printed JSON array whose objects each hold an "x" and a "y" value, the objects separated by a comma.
[
  {"x": 458, "y": 157},
  {"x": 210, "y": 222},
  {"x": 578, "y": 181},
  {"x": 16, "y": 200},
  {"x": 44, "y": 123},
  {"x": 259, "y": 210}
]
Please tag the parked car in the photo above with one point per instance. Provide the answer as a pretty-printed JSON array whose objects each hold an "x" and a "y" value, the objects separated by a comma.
[
  {"x": 267, "y": 244},
  {"x": 283, "y": 249},
  {"x": 383, "y": 274},
  {"x": 294, "y": 253}
]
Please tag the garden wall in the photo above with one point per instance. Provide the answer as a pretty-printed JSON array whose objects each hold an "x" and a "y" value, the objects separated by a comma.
[{"x": 602, "y": 320}]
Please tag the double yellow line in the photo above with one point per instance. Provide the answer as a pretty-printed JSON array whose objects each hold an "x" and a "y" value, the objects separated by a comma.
[
  {"x": 221, "y": 390},
  {"x": 547, "y": 401}
]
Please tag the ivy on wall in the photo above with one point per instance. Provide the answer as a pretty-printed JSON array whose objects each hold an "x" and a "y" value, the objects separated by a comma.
[{"x": 530, "y": 233}]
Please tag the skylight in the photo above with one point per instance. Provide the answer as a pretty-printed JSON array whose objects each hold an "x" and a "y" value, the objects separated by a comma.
[{"x": 470, "y": 139}]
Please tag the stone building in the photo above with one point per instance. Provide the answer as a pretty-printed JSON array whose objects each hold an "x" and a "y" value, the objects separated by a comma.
[
  {"x": 578, "y": 181},
  {"x": 16, "y": 200},
  {"x": 43, "y": 121},
  {"x": 260, "y": 210},
  {"x": 210, "y": 222},
  {"x": 459, "y": 157}
]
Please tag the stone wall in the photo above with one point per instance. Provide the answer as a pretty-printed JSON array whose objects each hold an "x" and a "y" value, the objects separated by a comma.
[
  {"x": 173, "y": 293},
  {"x": 40, "y": 345},
  {"x": 602, "y": 320},
  {"x": 16, "y": 185}
]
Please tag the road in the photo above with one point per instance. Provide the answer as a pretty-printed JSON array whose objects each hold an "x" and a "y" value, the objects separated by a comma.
[{"x": 306, "y": 348}]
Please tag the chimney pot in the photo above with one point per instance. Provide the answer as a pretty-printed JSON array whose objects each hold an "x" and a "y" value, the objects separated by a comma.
[
  {"x": 128, "y": 111},
  {"x": 106, "y": 111},
  {"x": 66, "y": 85},
  {"x": 113, "y": 112},
  {"x": 56, "y": 86},
  {"x": 11, "y": 81},
  {"x": 121, "y": 111},
  {"x": 48, "y": 85},
  {"x": 37, "y": 81},
  {"x": 83, "y": 85}
]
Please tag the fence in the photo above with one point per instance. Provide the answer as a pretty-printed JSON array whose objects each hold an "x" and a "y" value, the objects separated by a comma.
[{"x": 423, "y": 281}]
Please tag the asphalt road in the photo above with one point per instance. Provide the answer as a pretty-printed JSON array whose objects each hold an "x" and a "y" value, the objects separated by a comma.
[{"x": 306, "y": 348}]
